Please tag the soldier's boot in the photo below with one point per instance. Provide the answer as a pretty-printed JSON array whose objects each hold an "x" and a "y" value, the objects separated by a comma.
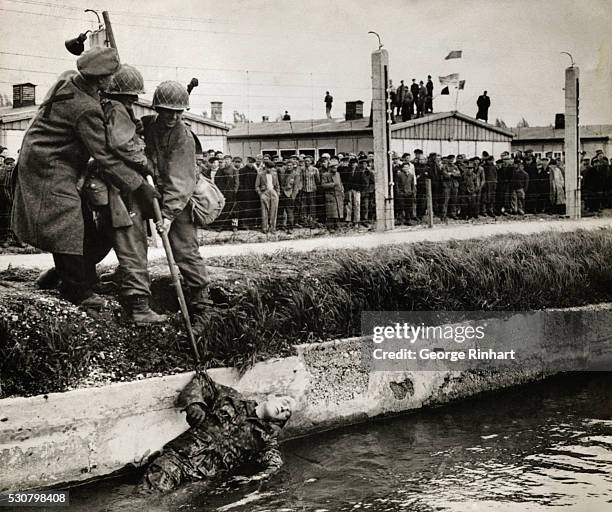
[
  {"x": 48, "y": 279},
  {"x": 199, "y": 300},
  {"x": 141, "y": 313}
]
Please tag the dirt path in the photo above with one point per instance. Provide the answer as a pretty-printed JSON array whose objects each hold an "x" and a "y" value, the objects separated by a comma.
[{"x": 458, "y": 231}]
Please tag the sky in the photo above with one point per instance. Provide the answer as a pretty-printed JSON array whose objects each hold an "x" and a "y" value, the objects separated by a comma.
[{"x": 262, "y": 57}]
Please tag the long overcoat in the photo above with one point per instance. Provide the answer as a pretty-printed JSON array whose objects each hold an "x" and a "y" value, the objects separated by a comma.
[
  {"x": 67, "y": 130},
  {"x": 331, "y": 184}
]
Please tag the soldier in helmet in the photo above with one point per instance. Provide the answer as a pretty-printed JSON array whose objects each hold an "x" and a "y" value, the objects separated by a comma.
[
  {"x": 48, "y": 211},
  {"x": 124, "y": 219},
  {"x": 171, "y": 148}
]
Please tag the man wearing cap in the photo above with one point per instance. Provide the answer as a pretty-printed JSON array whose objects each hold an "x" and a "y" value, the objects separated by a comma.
[
  {"x": 310, "y": 183},
  {"x": 48, "y": 212}
]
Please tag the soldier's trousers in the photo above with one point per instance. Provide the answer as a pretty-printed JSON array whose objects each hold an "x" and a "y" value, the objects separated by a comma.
[{"x": 183, "y": 237}]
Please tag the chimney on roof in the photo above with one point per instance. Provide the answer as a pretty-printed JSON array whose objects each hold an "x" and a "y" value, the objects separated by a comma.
[
  {"x": 559, "y": 121},
  {"x": 24, "y": 95},
  {"x": 265, "y": 119},
  {"x": 216, "y": 110},
  {"x": 354, "y": 110}
]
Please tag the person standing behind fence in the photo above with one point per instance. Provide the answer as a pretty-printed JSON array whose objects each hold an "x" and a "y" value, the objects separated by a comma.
[
  {"x": 367, "y": 193},
  {"x": 310, "y": 181},
  {"x": 329, "y": 99},
  {"x": 290, "y": 185},
  {"x": 490, "y": 186},
  {"x": 404, "y": 193},
  {"x": 331, "y": 184},
  {"x": 520, "y": 185},
  {"x": 352, "y": 189},
  {"x": 249, "y": 204},
  {"x": 268, "y": 187},
  {"x": 228, "y": 181},
  {"x": 421, "y": 170}
]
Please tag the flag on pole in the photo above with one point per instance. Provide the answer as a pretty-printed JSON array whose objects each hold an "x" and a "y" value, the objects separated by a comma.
[
  {"x": 461, "y": 85},
  {"x": 445, "y": 91},
  {"x": 454, "y": 54},
  {"x": 452, "y": 79}
]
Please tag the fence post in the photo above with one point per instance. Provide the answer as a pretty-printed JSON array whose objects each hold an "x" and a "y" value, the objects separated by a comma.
[{"x": 429, "y": 203}]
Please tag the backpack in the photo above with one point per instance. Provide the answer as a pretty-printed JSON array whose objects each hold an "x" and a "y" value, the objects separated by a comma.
[{"x": 207, "y": 202}]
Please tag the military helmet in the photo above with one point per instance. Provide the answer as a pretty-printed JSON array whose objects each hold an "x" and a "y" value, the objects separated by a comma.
[
  {"x": 171, "y": 95},
  {"x": 127, "y": 80}
]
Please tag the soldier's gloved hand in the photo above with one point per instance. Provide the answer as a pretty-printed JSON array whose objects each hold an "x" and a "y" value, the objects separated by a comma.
[
  {"x": 195, "y": 415},
  {"x": 148, "y": 193}
]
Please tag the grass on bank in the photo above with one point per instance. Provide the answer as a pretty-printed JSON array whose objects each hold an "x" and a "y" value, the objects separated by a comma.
[{"x": 288, "y": 298}]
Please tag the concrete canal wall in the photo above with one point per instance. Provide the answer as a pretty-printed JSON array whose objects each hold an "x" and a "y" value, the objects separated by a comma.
[{"x": 81, "y": 434}]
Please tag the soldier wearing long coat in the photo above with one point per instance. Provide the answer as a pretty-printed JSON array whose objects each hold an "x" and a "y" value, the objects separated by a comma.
[{"x": 48, "y": 211}]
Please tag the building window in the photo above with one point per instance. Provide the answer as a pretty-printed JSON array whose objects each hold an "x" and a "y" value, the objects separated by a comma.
[
  {"x": 307, "y": 152},
  {"x": 330, "y": 151},
  {"x": 270, "y": 152},
  {"x": 287, "y": 153}
]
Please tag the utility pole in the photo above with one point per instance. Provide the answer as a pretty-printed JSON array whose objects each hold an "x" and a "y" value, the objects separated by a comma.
[
  {"x": 572, "y": 143},
  {"x": 381, "y": 128},
  {"x": 110, "y": 36}
]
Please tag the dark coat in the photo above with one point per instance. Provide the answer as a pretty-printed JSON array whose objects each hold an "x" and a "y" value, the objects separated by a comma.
[
  {"x": 67, "y": 130},
  {"x": 483, "y": 103}
]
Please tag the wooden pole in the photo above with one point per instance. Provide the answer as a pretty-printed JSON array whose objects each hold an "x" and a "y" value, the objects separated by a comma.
[
  {"x": 110, "y": 36},
  {"x": 429, "y": 203}
]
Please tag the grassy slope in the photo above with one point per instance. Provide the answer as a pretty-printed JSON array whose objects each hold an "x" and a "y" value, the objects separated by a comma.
[{"x": 270, "y": 303}]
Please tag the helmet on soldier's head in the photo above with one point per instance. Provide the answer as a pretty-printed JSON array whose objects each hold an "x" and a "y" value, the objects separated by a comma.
[
  {"x": 127, "y": 80},
  {"x": 171, "y": 95}
]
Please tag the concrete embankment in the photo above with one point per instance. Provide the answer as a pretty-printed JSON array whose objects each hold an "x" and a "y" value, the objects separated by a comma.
[{"x": 81, "y": 434}]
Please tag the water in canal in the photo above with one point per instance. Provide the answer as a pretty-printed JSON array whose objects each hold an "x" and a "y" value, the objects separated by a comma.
[{"x": 543, "y": 447}]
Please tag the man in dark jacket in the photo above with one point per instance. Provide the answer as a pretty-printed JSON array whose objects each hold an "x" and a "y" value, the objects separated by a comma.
[
  {"x": 227, "y": 433},
  {"x": 228, "y": 180},
  {"x": 171, "y": 148},
  {"x": 531, "y": 168},
  {"x": 429, "y": 102},
  {"x": 490, "y": 186},
  {"x": 249, "y": 204},
  {"x": 520, "y": 184},
  {"x": 414, "y": 89},
  {"x": 48, "y": 212},
  {"x": 483, "y": 102},
  {"x": 399, "y": 96}
]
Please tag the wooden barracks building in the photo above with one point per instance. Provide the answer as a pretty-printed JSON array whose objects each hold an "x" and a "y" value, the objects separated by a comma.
[{"x": 444, "y": 133}]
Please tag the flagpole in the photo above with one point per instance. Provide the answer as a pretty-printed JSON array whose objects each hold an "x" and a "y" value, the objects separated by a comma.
[{"x": 457, "y": 97}]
